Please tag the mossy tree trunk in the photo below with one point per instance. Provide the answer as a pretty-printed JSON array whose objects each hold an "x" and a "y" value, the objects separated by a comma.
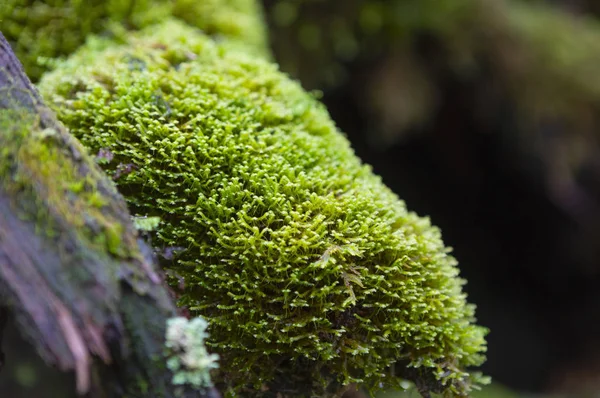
[{"x": 78, "y": 281}]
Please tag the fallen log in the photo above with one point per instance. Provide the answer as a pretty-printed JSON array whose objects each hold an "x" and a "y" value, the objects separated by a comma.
[{"x": 79, "y": 282}]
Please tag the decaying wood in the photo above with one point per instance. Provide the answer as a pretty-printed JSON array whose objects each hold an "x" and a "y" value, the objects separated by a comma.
[{"x": 99, "y": 311}]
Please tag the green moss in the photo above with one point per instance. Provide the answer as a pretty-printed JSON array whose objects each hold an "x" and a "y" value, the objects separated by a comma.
[
  {"x": 43, "y": 179},
  {"x": 308, "y": 269},
  {"x": 239, "y": 20},
  {"x": 41, "y": 30}
]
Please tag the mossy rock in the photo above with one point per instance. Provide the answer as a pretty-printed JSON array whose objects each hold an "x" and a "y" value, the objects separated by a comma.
[
  {"x": 41, "y": 30},
  {"x": 311, "y": 273}
]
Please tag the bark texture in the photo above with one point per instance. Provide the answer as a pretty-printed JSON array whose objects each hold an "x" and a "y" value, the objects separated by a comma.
[{"x": 81, "y": 284}]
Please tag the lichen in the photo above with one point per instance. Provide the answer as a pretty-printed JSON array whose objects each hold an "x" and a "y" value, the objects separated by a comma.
[
  {"x": 307, "y": 267},
  {"x": 146, "y": 224},
  {"x": 42, "y": 30},
  {"x": 187, "y": 356}
]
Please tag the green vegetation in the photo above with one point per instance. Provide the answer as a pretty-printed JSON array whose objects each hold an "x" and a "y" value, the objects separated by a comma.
[
  {"x": 33, "y": 158},
  {"x": 188, "y": 359},
  {"x": 544, "y": 59},
  {"x": 310, "y": 272},
  {"x": 41, "y": 31}
]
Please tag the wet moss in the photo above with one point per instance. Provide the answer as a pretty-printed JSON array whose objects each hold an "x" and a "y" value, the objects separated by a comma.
[{"x": 298, "y": 256}]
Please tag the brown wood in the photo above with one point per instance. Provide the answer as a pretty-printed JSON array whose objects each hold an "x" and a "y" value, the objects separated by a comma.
[{"x": 78, "y": 281}]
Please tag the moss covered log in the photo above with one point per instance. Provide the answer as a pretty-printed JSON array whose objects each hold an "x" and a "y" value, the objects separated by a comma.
[
  {"x": 42, "y": 30},
  {"x": 73, "y": 271},
  {"x": 311, "y": 273}
]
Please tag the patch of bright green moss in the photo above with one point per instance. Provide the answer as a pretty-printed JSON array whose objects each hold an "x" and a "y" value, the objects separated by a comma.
[
  {"x": 41, "y": 30},
  {"x": 300, "y": 258}
]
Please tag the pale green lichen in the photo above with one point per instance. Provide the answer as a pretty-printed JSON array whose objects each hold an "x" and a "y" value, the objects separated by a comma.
[
  {"x": 41, "y": 30},
  {"x": 308, "y": 269},
  {"x": 187, "y": 357},
  {"x": 146, "y": 224}
]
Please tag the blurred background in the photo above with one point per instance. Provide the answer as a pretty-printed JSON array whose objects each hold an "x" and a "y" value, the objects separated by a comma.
[{"x": 484, "y": 115}]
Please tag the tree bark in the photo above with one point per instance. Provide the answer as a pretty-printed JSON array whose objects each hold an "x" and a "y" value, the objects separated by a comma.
[{"x": 81, "y": 284}]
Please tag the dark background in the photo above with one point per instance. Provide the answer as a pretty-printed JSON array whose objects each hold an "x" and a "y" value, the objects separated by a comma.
[{"x": 488, "y": 155}]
